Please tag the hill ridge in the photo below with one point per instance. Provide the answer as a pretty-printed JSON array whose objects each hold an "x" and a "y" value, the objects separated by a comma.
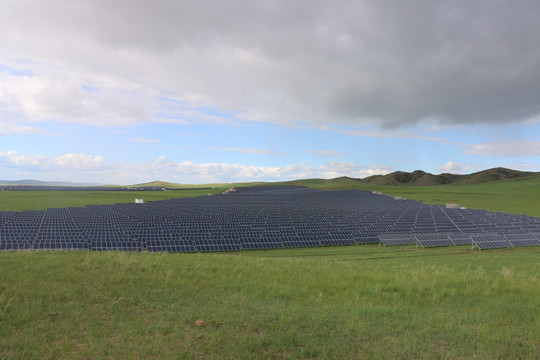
[
  {"x": 422, "y": 178},
  {"x": 396, "y": 178},
  {"x": 46, "y": 183}
]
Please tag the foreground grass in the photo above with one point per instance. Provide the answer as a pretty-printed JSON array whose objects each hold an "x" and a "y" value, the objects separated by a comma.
[
  {"x": 41, "y": 200},
  {"x": 343, "y": 302}
]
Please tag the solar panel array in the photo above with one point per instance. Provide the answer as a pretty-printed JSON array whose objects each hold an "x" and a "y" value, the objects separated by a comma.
[
  {"x": 490, "y": 241},
  {"x": 90, "y": 188},
  {"x": 263, "y": 218}
]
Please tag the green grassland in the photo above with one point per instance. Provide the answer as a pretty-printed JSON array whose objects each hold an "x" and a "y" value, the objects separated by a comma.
[
  {"x": 516, "y": 196},
  {"x": 41, "y": 200},
  {"x": 353, "y": 302}
]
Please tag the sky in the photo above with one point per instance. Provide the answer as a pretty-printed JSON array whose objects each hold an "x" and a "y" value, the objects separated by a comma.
[{"x": 208, "y": 91}]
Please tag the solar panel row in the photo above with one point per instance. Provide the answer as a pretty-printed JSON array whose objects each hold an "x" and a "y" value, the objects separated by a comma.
[
  {"x": 262, "y": 218},
  {"x": 480, "y": 240}
]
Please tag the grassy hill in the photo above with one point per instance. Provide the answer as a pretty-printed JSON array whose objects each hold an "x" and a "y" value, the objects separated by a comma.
[
  {"x": 165, "y": 184},
  {"x": 397, "y": 178},
  {"x": 421, "y": 178},
  {"x": 161, "y": 184}
]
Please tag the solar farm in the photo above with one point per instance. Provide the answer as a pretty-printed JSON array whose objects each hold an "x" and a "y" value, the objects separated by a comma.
[
  {"x": 269, "y": 217},
  {"x": 263, "y": 273}
]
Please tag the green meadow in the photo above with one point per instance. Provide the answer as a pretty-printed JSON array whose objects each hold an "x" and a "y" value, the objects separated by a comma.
[
  {"x": 41, "y": 200},
  {"x": 516, "y": 196},
  {"x": 352, "y": 302},
  {"x": 511, "y": 196}
]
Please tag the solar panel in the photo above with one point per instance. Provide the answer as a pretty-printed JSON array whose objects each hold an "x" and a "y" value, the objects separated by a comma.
[
  {"x": 294, "y": 240},
  {"x": 460, "y": 238},
  {"x": 15, "y": 245},
  {"x": 522, "y": 239},
  {"x": 170, "y": 245},
  {"x": 434, "y": 240},
  {"x": 367, "y": 237},
  {"x": 490, "y": 241},
  {"x": 336, "y": 241},
  {"x": 203, "y": 244},
  {"x": 260, "y": 241}
]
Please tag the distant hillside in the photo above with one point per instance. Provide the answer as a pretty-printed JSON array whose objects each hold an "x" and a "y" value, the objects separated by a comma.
[
  {"x": 169, "y": 186},
  {"x": 162, "y": 184},
  {"x": 45, "y": 183},
  {"x": 421, "y": 178},
  {"x": 398, "y": 178}
]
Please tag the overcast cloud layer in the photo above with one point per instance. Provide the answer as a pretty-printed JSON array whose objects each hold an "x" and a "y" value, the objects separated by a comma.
[
  {"x": 387, "y": 62},
  {"x": 377, "y": 69}
]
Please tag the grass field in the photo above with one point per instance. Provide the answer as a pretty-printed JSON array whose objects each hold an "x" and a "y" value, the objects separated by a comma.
[
  {"x": 517, "y": 196},
  {"x": 41, "y": 200},
  {"x": 331, "y": 303},
  {"x": 510, "y": 196}
]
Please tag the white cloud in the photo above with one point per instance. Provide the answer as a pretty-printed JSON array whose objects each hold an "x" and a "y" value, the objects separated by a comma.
[
  {"x": 338, "y": 169},
  {"x": 7, "y": 128},
  {"x": 454, "y": 168},
  {"x": 533, "y": 120},
  {"x": 143, "y": 140},
  {"x": 189, "y": 172},
  {"x": 54, "y": 94},
  {"x": 329, "y": 153},
  {"x": 255, "y": 151},
  {"x": 79, "y": 162},
  {"x": 81, "y": 167},
  {"x": 60, "y": 95},
  {"x": 42, "y": 98},
  {"x": 506, "y": 149}
]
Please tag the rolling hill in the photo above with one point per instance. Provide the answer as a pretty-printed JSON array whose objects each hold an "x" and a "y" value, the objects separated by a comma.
[
  {"x": 161, "y": 184},
  {"x": 421, "y": 178},
  {"x": 397, "y": 178},
  {"x": 45, "y": 183}
]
